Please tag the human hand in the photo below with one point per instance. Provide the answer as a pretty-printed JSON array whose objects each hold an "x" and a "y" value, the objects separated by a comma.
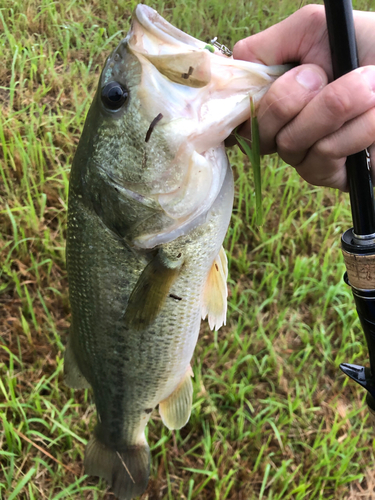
[{"x": 312, "y": 124}]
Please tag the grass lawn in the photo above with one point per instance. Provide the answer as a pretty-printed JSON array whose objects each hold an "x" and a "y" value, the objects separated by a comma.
[{"x": 273, "y": 416}]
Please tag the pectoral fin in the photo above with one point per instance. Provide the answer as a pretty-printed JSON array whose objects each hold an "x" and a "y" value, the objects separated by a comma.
[
  {"x": 72, "y": 372},
  {"x": 175, "y": 410},
  {"x": 151, "y": 291},
  {"x": 216, "y": 292}
]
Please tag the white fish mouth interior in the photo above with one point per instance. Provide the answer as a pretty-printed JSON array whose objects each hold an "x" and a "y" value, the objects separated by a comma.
[{"x": 165, "y": 32}]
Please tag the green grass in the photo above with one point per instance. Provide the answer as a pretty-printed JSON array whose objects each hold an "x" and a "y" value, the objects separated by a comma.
[{"x": 273, "y": 416}]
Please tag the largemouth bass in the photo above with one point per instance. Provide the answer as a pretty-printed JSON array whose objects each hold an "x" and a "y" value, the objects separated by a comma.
[{"x": 150, "y": 200}]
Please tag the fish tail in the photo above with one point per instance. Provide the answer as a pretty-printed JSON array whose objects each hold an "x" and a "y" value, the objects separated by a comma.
[{"x": 126, "y": 470}]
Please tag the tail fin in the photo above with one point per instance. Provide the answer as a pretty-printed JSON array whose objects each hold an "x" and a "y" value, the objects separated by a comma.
[{"x": 126, "y": 471}]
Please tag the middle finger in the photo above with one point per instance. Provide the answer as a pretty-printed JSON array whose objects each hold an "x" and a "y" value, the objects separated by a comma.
[{"x": 337, "y": 103}]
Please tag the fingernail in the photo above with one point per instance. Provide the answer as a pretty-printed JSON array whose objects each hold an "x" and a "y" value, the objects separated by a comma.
[
  {"x": 369, "y": 76},
  {"x": 310, "y": 79}
]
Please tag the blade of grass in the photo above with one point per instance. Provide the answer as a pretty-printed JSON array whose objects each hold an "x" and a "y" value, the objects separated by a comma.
[{"x": 253, "y": 153}]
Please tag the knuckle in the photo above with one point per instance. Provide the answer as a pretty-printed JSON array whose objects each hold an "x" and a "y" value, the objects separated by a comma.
[
  {"x": 313, "y": 17},
  {"x": 325, "y": 148},
  {"x": 280, "y": 104},
  {"x": 336, "y": 101},
  {"x": 285, "y": 142},
  {"x": 314, "y": 13}
]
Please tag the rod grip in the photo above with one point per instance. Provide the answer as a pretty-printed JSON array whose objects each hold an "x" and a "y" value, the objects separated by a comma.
[{"x": 360, "y": 269}]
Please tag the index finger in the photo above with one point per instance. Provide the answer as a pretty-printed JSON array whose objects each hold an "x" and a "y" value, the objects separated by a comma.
[{"x": 301, "y": 38}]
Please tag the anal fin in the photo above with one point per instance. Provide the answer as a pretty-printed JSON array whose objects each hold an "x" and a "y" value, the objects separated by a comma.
[
  {"x": 216, "y": 292},
  {"x": 175, "y": 410},
  {"x": 72, "y": 374}
]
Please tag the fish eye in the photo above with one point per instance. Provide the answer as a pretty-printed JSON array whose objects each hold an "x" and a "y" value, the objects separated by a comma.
[{"x": 114, "y": 95}]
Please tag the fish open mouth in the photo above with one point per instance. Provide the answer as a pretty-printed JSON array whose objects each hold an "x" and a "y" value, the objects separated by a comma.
[{"x": 225, "y": 83}]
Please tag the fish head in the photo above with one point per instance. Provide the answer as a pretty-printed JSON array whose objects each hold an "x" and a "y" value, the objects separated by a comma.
[
  {"x": 201, "y": 93},
  {"x": 165, "y": 103}
]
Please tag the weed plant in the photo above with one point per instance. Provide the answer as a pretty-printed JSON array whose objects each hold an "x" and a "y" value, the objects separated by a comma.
[{"x": 273, "y": 417}]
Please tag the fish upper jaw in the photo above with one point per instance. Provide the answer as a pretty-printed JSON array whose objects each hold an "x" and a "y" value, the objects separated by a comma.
[{"x": 152, "y": 34}]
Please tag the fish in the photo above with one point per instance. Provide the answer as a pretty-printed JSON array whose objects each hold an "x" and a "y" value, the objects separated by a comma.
[{"x": 150, "y": 199}]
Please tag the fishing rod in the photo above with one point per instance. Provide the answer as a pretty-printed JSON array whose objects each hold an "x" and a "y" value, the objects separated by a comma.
[{"x": 357, "y": 243}]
